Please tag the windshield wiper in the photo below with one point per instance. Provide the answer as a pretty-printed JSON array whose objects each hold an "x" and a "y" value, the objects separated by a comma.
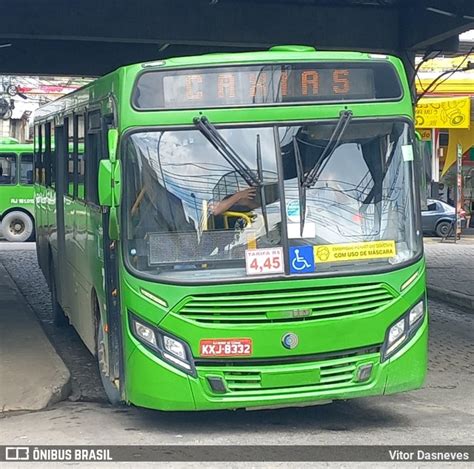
[
  {"x": 309, "y": 180},
  {"x": 384, "y": 171},
  {"x": 301, "y": 186},
  {"x": 261, "y": 187},
  {"x": 235, "y": 160},
  {"x": 221, "y": 145},
  {"x": 333, "y": 142}
]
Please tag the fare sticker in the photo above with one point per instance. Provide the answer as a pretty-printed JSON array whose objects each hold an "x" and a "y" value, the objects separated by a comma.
[{"x": 264, "y": 261}]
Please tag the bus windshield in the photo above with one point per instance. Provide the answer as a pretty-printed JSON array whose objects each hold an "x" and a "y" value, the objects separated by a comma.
[{"x": 192, "y": 214}]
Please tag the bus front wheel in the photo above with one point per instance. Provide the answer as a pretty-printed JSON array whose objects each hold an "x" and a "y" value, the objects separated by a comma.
[
  {"x": 17, "y": 226},
  {"x": 111, "y": 391}
]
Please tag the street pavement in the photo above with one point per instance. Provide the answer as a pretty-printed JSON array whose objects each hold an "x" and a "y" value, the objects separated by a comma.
[
  {"x": 450, "y": 271},
  {"x": 32, "y": 374},
  {"x": 440, "y": 413},
  {"x": 19, "y": 259}
]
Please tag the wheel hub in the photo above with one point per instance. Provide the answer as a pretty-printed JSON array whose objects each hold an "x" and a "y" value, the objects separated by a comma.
[{"x": 17, "y": 227}]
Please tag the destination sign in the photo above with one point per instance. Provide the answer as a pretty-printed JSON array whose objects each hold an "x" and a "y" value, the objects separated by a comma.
[{"x": 265, "y": 84}]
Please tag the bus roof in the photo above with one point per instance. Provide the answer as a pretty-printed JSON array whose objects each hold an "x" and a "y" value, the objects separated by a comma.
[
  {"x": 8, "y": 140},
  {"x": 100, "y": 88},
  {"x": 16, "y": 147},
  {"x": 278, "y": 53}
]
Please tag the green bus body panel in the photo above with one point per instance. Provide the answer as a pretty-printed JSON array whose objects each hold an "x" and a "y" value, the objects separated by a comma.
[
  {"x": 147, "y": 373},
  {"x": 16, "y": 196},
  {"x": 151, "y": 382},
  {"x": 156, "y": 385},
  {"x": 316, "y": 336}
]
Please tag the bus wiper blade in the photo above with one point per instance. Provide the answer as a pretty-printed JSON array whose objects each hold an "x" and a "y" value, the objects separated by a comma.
[
  {"x": 371, "y": 195},
  {"x": 301, "y": 186},
  {"x": 223, "y": 147},
  {"x": 341, "y": 126},
  {"x": 261, "y": 186}
]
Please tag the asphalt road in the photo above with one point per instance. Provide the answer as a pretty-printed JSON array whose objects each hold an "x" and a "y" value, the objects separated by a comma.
[{"x": 440, "y": 413}]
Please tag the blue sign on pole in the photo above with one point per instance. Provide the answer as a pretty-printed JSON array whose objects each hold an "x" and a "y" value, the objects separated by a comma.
[{"x": 301, "y": 259}]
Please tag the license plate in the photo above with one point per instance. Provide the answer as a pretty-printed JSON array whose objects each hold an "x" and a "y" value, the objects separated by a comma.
[{"x": 225, "y": 347}]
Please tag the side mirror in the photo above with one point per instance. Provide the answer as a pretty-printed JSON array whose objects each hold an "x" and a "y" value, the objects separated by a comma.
[
  {"x": 110, "y": 183},
  {"x": 110, "y": 174},
  {"x": 105, "y": 183}
]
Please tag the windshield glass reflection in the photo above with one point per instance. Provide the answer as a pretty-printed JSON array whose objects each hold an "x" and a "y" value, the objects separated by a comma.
[{"x": 193, "y": 213}]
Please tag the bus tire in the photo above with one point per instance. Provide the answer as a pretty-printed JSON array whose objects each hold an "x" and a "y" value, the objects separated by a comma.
[
  {"x": 111, "y": 391},
  {"x": 17, "y": 226},
  {"x": 59, "y": 317},
  {"x": 442, "y": 228}
]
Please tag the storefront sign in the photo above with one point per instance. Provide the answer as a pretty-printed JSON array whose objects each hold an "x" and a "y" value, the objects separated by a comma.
[
  {"x": 443, "y": 113},
  {"x": 425, "y": 134}
]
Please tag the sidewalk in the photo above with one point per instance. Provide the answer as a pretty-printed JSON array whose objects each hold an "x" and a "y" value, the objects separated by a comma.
[
  {"x": 32, "y": 375},
  {"x": 450, "y": 270}
]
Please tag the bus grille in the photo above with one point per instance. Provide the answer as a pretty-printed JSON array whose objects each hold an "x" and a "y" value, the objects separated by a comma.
[
  {"x": 335, "y": 373},
  {"x": 251, "y": 380},
  {"x": 286, "y": 305}
]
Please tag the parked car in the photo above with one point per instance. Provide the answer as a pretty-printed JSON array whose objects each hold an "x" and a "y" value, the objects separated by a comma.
[{"x": 439, "y": 217}]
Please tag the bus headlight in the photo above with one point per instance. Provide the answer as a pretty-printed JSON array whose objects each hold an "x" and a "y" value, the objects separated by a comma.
[
  {"x": 144, "y": 333},
  {"x": 416, "y": 313},
  {"x": 396, "y": 335},
  {"x": 175, "y": 347},
  {"x": 169, "y": 348},
  {"x": 404, "y": 328}
]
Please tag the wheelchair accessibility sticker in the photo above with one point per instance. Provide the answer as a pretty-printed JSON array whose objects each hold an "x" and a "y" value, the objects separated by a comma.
[{"x": 301, "y": 259}]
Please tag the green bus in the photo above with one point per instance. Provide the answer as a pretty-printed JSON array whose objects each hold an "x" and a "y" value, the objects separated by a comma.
[
  {"x": 238, "y": 230},
  {"x": 16, "y": 190}
]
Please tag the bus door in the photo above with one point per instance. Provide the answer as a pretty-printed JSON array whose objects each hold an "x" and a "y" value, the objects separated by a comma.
[
  {"x": 113, "y": 341},
  {"x": 61, "y": 158}
]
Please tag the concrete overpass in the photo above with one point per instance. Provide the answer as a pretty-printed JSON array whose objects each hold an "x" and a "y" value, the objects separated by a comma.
[{"x": 91, "y": 37}]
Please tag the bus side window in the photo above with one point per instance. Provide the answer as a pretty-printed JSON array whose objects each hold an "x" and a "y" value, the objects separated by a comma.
[
  {"x": 42, "y": 149},
  {"x": 79, "y": 146},
  {"x": 48, "y": 156},
  {"x": 94, "y": 146},
  {"x": 69, "y": 129},
  {"x": 37, "y": 154},
  {"x": 26, "y": 168},
  {"x": 7, "y": 169},
  {"x": 53, "y": 158}
]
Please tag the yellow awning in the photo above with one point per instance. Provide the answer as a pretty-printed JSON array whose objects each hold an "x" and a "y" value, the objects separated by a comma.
[
  {"x": 461, "y": 86},
  {"x": 465, "y": 137}
]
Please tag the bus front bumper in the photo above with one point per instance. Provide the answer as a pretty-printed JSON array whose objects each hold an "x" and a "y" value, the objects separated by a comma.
[{"x": 157, "y": 385}]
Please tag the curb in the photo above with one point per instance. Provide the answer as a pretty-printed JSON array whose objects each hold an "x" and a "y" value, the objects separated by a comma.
[
  {"x": 35, "y": 377},
  {"x": 460, "y": 300}
]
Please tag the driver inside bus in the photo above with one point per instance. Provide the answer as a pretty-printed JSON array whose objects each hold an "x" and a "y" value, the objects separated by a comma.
[{"x": 241, "y": 201}]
